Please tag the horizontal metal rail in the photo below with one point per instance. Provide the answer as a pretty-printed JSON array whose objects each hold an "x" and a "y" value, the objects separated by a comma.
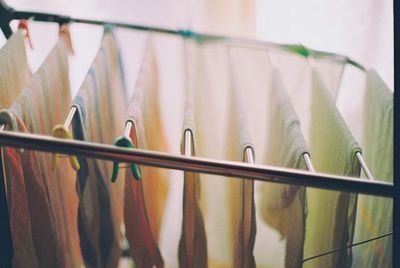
[{"x": 196, "y": 164}]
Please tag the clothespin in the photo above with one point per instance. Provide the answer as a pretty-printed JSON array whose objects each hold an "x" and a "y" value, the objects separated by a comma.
[
  {"x": 66, "y": 34},
  {"x": 23, "y": 24},
  {"x": 60, "y": 131},
  {"x": 125, "y": 141}
]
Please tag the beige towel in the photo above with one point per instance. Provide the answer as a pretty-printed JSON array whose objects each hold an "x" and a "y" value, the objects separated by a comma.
[
  {"x": 14, "y": 71},
  {"x": 222, "y": 132},
  {"x": 331, "y": 214},
  {"x": 211, "y": 94},
  {"x": 193, "y": 242},
  {"x": 374, "y": 214}
]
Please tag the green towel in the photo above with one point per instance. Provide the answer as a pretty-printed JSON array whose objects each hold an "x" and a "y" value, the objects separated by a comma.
[
  {"x": 331, "y": 214},
  {"x": 374, "y": 214}
]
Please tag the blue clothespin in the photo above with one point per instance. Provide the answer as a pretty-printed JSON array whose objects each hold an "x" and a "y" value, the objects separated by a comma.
[{"x": 126, "y": 142}]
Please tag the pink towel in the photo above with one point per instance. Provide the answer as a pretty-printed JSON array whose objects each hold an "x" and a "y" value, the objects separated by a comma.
[
  {"x": 20, "y": 218},
  {"x": 45, "y": 102}
]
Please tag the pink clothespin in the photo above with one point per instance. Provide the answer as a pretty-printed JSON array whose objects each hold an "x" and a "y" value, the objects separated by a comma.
[
  {"x": 23, "y": 24},
  {"x": 65, "y": 33}
]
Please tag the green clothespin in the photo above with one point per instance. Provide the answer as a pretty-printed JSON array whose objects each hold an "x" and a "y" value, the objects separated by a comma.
[
  {"x": 298, "y": 49},
  {"x": 126, "y": 142}
]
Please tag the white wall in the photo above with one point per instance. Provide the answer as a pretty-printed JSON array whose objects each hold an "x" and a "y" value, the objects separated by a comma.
[{"x": 361, "y": 29}]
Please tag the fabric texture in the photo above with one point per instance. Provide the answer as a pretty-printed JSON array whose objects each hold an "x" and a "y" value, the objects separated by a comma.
[
  {"x": 193, "y": 241},
  {"x": 212, "y": 91},
  {"x": 18, "y": 200},
  {"x": 283, "y": 206},
  {"x": 374, "y": 214},
  {"x": 14, "y": 73},
  {"x": 145, "y": 199},
  {"x": 44, "y": 102},
  {"x": 331, "y": 214},
  {"x": 100, "y": 103},
  {"x": 243, "y": 219},
  {"x": 222, "y": 132}
]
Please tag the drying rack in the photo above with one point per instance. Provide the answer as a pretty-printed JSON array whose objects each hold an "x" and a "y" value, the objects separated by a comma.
[{"x": 198, "y": 164}]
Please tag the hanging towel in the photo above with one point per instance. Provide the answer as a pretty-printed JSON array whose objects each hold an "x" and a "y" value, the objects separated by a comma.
[
  {"x": 18, "y": 200},
  {"x": 145, "y": 199},
  {"x": 241, "y": 191},
  {"x": 47, "y": 95},
  {"x": 193, "y": 241},
  {"x": 98, "y": 233},
  {"x": 211, "y": 92},
  {"x": 14, "y": 73},
  {"x": 143, "y": 246},
  {"x": 331, "y": 214},
  {"x": 222, "y": 133},
  {"x": 100, "y": 104},
  {"x": 283, "y": 206},
  {"x": 374, "y": 214}
]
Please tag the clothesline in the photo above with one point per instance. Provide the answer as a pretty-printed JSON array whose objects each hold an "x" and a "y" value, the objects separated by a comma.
[{"x": 7, "y": 14}]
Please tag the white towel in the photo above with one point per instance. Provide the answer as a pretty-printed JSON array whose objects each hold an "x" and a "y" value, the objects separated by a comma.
[
  {"x": 241, "y": 191},
  {"x": 211, "y": 93}
]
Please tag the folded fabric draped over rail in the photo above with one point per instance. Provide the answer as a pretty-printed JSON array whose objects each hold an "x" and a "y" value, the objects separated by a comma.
[{"x": 249, "y": 197}]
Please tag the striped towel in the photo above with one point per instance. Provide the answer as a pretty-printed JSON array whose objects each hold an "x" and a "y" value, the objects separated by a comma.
[
  {"x": 331, "y": 214},
  {"x": 193, "y": 241},
  {"x": 145, "y": 199},
  {"x": 46, "y": 96},
  {"x": 100, "y": 103}
]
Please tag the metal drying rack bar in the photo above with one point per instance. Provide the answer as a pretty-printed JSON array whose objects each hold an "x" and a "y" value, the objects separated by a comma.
[{"x": 195, "y": 164}]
